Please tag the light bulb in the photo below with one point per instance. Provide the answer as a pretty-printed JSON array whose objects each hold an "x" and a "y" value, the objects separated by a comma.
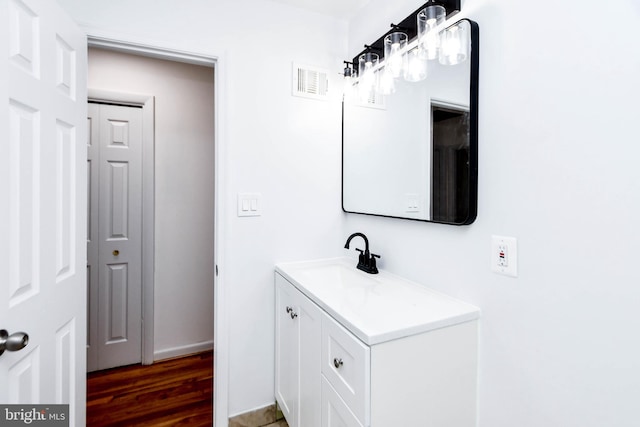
[
  {"x": 395, "y": 60},
  {"x": 366, "y": 66},
  {"x": 387, "y": 82},
  {"x": 428, "y": 20},
  {"x": 394, "y": 57},
  {"x": 455, "y": 44},
  {"x": 416, "y": 67}
]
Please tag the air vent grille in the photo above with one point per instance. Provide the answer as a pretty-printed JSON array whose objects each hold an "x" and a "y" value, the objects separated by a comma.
[{"x": 310, "y": 82}]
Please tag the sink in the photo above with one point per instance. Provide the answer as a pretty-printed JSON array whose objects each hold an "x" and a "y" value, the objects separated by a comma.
[{"x": 375, "y": 308}]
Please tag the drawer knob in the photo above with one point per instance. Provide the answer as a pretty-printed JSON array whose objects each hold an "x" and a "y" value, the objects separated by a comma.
[{"x": 337, "y": 362}]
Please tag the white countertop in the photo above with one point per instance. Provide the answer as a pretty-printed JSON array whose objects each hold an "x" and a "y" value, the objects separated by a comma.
[{"x": 374, "y": 307}]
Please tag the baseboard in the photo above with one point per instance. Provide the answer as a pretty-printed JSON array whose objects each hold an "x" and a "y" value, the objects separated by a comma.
[{"x": 182, "y": 350}]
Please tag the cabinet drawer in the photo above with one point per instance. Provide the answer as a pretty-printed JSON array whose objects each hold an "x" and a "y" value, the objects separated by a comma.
[
  {"x": 346, "y": 366},
  {"x": 334, "y": 411}
]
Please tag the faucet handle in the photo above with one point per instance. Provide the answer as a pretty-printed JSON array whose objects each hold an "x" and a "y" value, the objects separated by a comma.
[
  {"x": 360, "y": 250},
  {"x": 373, "y": 269},
  {"x": 372, "y": 261}
]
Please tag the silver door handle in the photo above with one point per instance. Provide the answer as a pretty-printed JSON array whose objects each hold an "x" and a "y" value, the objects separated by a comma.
[{"x": 13, "y": 342}]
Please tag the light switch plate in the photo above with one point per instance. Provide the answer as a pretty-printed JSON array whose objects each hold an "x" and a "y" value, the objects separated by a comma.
[
  {"x": 412, "y": 202},
  {"x": 504, "y": 255},
  {"x": 249, "y": 204}
]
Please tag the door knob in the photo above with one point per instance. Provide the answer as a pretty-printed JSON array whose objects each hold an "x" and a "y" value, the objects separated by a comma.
[
  {"x": 116, "y": 252},
  {"x": 13, "y": 342}
]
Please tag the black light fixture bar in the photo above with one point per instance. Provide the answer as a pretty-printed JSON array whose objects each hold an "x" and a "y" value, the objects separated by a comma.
[{"x": 409, "y": 26}]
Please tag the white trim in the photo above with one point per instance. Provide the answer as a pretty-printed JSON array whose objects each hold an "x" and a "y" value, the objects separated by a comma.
[
  {"x": 221, "y": 328},
  {"x": 218, "y": 62},
  {"x": 183, "y": 350},
  {"x": 143, "y": 49},
  {"x": 147, "y": 102}
]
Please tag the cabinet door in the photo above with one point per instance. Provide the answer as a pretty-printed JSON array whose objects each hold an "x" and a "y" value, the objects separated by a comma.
[
  {"x": 335, "y": 412},
  {"x": 346, "y": 366},
  {"x": 287, "y": 356},
  {"x": 310, "y": 321}
]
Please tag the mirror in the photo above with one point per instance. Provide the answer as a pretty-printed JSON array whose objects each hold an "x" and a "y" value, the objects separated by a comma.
[{"x": 414, "y": 153}]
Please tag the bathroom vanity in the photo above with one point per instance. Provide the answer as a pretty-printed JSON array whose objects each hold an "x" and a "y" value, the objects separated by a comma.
[{"x": 356, "y": 349}]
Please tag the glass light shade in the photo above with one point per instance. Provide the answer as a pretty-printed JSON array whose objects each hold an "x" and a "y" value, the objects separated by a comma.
[
  {"x": 395, "y": 45},
  {"x": 387, "y": 84},
  {"x": 455, "y": 44},
  {"x": 349, "y": 80},
  {"x": 367, "y": 63},
  {"x": 347, "y": 88},
  {"x": 416, "y": 66},
  {"x": 428, "y": 38}
]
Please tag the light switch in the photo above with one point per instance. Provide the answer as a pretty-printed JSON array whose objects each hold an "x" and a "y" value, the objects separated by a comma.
[{"x": 249, "y": 204}]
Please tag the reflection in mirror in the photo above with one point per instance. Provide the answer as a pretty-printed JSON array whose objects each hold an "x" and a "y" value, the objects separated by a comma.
[{"x": 413, "y": 153}]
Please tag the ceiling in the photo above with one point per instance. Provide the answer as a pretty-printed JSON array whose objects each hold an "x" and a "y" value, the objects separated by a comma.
[{"x": 337, "y": 8}]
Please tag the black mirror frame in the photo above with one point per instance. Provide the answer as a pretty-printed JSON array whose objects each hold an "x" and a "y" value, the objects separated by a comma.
[{"x": 473, "y": 138}]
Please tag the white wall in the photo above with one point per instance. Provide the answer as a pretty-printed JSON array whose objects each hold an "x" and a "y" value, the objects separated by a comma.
[
  {"x": 184, "y": 180},
  {"x": 558, "y": 170},
  {"x": 284, "y": 147}
]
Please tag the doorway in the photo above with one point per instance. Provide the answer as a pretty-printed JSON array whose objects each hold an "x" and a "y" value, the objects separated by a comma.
[{"x": 183, "y": 192}]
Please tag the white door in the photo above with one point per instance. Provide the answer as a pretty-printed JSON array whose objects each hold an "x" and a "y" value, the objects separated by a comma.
[
  {"x": 114, "y": 236},
  {"x": 42, "y": 209}
]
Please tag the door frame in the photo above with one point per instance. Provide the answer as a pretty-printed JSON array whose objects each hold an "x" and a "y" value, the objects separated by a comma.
[
  {"x": 147, "y": 103},
  {"x": 123, "y": 43}
]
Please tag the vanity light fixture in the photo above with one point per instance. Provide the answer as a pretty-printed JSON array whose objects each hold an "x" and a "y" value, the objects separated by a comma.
[
  {"x": 416, "y": 70},
  {"x": 395, "y": 45},
  {"x": 406, "y": 48},
  {"x": 428, "y": 20},
  {"x": 367, "y": 73},
  {"x": 386, "y": 83},
  {"x": 455, "y": 44},
  {"x": 349, "y": 77}
]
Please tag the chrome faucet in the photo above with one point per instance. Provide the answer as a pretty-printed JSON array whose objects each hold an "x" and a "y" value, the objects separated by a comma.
[{"x": 366, "y": 260}]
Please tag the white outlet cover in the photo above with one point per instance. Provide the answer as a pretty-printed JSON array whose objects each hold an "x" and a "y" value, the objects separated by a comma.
[{"x": 504, "y": 255}]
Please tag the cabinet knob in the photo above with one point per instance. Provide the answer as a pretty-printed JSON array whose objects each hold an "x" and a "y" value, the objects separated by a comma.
[
  {"x": 337, "y": 362},
  {"x": 294, "y": 314},
  {"x": 289, "y": 309}
]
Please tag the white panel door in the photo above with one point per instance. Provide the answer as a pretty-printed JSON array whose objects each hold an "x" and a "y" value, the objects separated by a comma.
[
  {"x": 114, "y": 236},
  {"x": 42, "y": 213}
]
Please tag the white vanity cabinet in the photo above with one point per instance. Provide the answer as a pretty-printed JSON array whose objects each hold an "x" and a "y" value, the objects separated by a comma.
[
  {"x": 298, "y": 326},
  {"x": 359, "y": 350}
]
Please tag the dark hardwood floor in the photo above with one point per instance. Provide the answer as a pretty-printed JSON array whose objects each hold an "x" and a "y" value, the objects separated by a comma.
[{"x": 175, "y": 392}]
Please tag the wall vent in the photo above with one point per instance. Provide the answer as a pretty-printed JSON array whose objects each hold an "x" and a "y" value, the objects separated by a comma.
[{"x": 310, "y": 82}]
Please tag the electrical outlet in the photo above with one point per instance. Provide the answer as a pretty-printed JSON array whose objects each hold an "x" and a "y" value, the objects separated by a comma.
[{"x": 504, "y": 255}]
